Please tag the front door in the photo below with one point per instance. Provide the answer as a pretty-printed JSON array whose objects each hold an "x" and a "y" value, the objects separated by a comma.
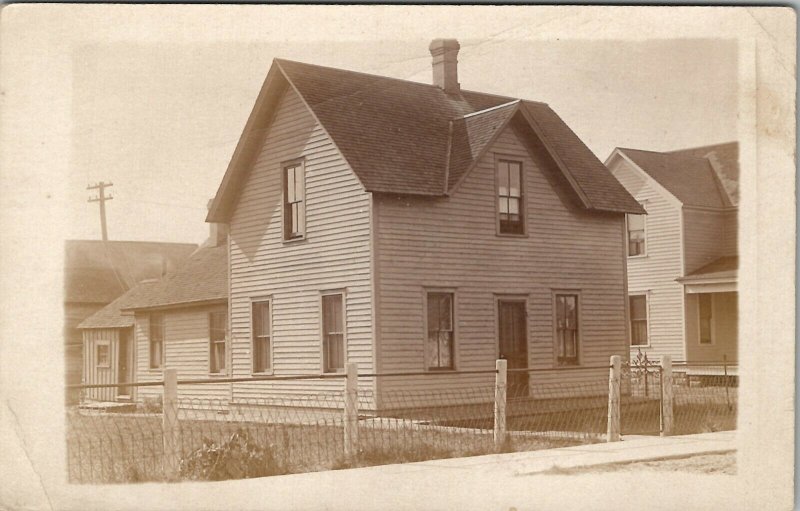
[
  {"x": 513, "y": 343},
  {"x": 124, "y": 364}
]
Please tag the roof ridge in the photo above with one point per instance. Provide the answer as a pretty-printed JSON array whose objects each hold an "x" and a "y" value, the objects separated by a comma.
[
  {"x": 707, "y": 146},
  {"x": 486, "y": 110}
]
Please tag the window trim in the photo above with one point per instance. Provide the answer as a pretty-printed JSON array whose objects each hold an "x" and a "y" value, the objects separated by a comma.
[
  {"x": 455, "y": 355},
  {"x": 331, "y": 292},
  {"x": 712, "y": 330},
  {"x": 271, "y": 369},
  {"x": 627, "y": 235},
  {"x": 646, "y": 295},
  {"x": 284, "y": 228},
  {"x": 579, "y": 302},
  {"x": 226, "y": 343},
  {"x": 97, "y": 345},
  {"x": 498, "y": 158},
  {"x": 150, "y": 342}
]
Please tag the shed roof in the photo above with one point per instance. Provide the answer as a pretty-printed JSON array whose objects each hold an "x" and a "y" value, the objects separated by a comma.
[
  {"x": 97, "y": 271},
  {"x": 412, "y": 138},
  {"x": 203, "y": 278},
  {"x": 724, "y": 268},
  {"x": 690, "y": 175}
]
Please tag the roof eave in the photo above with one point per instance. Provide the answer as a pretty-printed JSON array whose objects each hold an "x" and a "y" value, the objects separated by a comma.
[{"x": 176, "y": 305}]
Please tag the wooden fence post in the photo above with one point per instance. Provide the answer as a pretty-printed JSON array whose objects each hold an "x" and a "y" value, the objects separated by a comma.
[
  {"x": 614, "y": 399},
  {"x": 351, "y": 409},
  {"x": 666, "y": 395},
  {"x": 169, "y": 425},
  {"x": 500, "y": 386}
]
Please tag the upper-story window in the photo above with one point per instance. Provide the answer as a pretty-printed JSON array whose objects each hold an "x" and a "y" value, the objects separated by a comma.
[
  {"x": 636, "y": 235},
  {"x": 509, "y": 196},
  {"x": 294, "y": 201}
]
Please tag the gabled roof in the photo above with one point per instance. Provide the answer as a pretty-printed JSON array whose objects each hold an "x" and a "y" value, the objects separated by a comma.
[
  {"x": 98, "y": 271},
  {"x": 203, "y": 278},
  {"x": 693, "y": 175},
  {"x": 411, "y": 138}
]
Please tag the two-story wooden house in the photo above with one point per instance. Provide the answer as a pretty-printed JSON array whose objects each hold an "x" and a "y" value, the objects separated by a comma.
[
  {"x": 682, "y": 257},
  {"x": 416, "y": 228}
]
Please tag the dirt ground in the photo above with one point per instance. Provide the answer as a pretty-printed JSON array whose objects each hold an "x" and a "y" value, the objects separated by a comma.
[{"x": 724, "y": 463}]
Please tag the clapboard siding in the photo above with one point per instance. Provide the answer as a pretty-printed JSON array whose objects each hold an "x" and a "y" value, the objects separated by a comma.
[
  {"x": 452, "y": 243},
  {"x": 94, "y": 374},
  {"x": 654, "y": 274},
  {"x": 704, "y": 237},
  {"x": 726, "y": 336},
  {"x": 335, "y": 255}
]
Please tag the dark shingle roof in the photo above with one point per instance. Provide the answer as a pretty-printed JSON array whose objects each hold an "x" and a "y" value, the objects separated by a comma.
[
  {"x": 397, "y": 135},
  {"x": 98, "y": 271},
  {"x": 688, "y": 174},
  {"x": 723, "y": 268},
  {"x": 202, "y": 278}
]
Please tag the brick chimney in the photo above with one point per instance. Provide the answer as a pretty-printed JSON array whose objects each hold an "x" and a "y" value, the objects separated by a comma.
[
  {"x": 445, "y": 64},
  {"x": 218, "y": 233}
]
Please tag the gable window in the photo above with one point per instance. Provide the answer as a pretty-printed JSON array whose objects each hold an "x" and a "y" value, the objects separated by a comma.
[
  {"x": 509, "y": 197},
  {"x": 439, "y": 345},
  {"x": 294, "y": 201},
  {"x": 638, "y": 309},
  {"x": 567, "y": 329},
  {"x": 333, "y": 346},
  {"x": 156, "y": 341},
  {"x": 705, "y": 310},
  {"x": 262, "y": 335},
  {"x": 103, "y": 355},
  {"x": 636, "y": 234},
  {"x": 217, "y": 326}
]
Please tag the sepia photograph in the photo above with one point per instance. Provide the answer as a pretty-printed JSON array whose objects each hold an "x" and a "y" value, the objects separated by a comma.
[{"x": 306, "y": 257}]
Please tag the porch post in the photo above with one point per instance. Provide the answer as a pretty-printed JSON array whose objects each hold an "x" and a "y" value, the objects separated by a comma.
[
  {"x": 614, "y": 372},
  {"x": 666, "y": 395},
  {"x": 500, "y": 386}
]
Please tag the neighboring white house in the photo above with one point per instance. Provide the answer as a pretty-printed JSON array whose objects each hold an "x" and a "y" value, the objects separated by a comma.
[{"x": 682, "y": 255}]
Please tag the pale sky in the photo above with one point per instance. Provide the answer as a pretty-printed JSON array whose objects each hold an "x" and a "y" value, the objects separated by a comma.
[{"x": 161, "y": 121}]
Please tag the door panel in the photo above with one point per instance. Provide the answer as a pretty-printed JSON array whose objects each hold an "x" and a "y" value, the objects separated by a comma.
[{"x": 513, "y": 343}]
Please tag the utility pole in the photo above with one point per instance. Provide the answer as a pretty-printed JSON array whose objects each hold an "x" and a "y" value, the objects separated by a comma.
[{"x": 101, "y": 198}]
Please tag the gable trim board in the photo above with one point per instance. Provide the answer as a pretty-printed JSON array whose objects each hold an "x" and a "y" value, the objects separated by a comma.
[{"x": 610, "y": 197}]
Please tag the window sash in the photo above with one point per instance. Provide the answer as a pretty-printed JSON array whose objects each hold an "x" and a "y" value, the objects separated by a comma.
[
  {"x": 440, "y": 338},
  {"x": 294, "y": 201},
  {"x": 567, "y": 329},
  {"x": 260, "y": 317},
  {"x": 638, "y": 313},
  {"x": 217, "y": 340},
  {"x": 156, "y": 341},
  {"x": 333, "y": 332},
  {"x": 509, "y": 196},
  {"x": 636, "y": 234}
]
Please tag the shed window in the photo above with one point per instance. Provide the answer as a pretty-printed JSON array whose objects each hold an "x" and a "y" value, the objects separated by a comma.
[
  {"x": 705, "y": 306},
  {"x": 567, "y": 329},
  {"x": 440, "y": 341},
  {"x": 262, "y": 336},
  {"x": 156, "y": 341},
  {"x": 217, "y": 326},
  {"x": 333, "y": 347},
  {"x": 294, "y": 205},
  {"x": 638, "y": 308},
  {"x": 103, "y": 355},
  {"x": 509, "y": 196},
  {"x": 636, "y": 235}
]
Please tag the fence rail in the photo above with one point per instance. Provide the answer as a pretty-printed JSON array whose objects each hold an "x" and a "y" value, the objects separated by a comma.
[{"x": 186, "y": 438}]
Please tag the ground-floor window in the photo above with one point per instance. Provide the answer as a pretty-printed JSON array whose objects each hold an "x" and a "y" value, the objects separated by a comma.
[
  {"x": 567, "y": 329},
  {"x": 156, "y": 341},
  {"x": 440, "y": 339},
  {"x": 262, "y": 335},
  {"x": 217, "y": 326},
  {"x": 638, "y": 311},
  {"x": 333, "y": 345}
]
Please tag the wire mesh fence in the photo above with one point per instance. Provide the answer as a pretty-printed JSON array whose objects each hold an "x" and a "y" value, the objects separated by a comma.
[{"x": 703, "y": 401}]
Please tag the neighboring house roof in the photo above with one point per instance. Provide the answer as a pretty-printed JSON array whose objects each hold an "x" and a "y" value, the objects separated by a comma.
[
  {"x": 412, "y": 138},
  {"x": 722, "y": 269},
  {"x": 704, "y": 176},
  {"x": 203, "y": 278},
  {"x": 98, "y": 271}
]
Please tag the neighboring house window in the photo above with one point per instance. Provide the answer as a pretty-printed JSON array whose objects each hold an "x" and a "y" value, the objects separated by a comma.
[
  {"x": 509, "y": 196},
  {"x": 567, "y": 329},
  {"x": 156, "y": 341},
  {"x": 638, "y": 309},
  {"x": 333, "y": 347},
  {"x": 103, "y": 355},
  {"x": 294, "y": 204},
  {"x": 636, "y": 235},
  {"x": 262, "y": 336},
  {"x": 217, "y": 326},
  {"x": 439, "y": 346},
  {"x": 705, "y": 306}
]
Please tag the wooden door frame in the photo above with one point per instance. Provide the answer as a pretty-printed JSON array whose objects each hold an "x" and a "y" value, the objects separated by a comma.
[{"x": 511, "y": 297}]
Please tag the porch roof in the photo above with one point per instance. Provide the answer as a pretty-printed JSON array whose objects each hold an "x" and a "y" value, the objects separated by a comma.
[{"x": 719, "y": 275}]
